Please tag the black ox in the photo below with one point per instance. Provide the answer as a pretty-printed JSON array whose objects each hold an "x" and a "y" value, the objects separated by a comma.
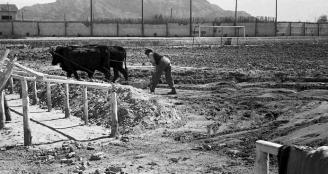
[{"x": 89, "y": 58}]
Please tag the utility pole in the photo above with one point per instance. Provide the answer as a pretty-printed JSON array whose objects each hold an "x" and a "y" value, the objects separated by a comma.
[
  {"x": 276, "y": 20},
  {"x": 235, "y": 22},
  {"x": 190, "y": 18},
  {"x": 142, "y": 18},
  {"x": 22, "y": 14},
  {"x": 91, "y": 18},
  {"x": 171, "y": 13}
]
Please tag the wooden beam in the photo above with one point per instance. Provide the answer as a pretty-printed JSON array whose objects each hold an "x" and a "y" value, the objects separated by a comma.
[
  {"x": 40, "y": 75},
  {"x": 55, "y": 77},
  {"x": 2, "y": 109},
  {"x": 75, "y": 82},
  {"x": 85, "y": 104},
  {"x": 268, "y": 147},
  {"x": 19, "y": 77},
  {"x": 66, "y": 101},
  {"x": 114, "y": 126},
  {"x": 5, "y": 75},
  {"x": 26, "y": 119},
  {"x": 49, "y": 102}
]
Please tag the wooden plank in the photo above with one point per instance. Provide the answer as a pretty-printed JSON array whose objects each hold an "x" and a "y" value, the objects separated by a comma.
[
  {"x": 2, "y": 109},
  {"x": 268, "y": 147},
  {"x": 40, "y": 75},
  {"x": 35, "y": 94},
  {"x": 55, "y": 77},
  {"x": 114, "y": 127},
  {"x": 49, "y": 102},
  {"x": 4, "y": 76},
  {"x": 66, "y": 101},
  {"x": 85, "y": 104},
  {"x": 26, "y": 119},
  {"x": 75, "y": 82},
  {"x": 15, "y": 76}
]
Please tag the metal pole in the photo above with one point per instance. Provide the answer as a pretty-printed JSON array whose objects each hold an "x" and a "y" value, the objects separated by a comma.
[
  {"x": 142, "y": 17},
  {"x": 91, "y": 18},
  {"x": 275, "y": 22},
  {"x": 235, "y": 23},
  {"x": 190, "y": 28},
  {"x": 171, "y": 13}
]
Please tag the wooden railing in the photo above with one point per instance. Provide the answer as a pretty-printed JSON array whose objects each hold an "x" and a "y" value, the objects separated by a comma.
[
  {"x": 263, "y": 149},
  {"x": 28, "y": 74}
]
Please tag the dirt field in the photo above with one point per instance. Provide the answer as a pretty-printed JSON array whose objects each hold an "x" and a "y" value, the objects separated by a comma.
[{"x": 276, "y": 91}]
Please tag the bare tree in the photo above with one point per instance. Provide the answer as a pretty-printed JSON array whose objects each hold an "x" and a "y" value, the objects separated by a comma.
[{"x": 322, "y": 19}]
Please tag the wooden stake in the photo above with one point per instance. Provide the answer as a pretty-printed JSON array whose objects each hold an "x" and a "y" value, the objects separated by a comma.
[
  {"x": 35, "y": 94},
  {"x": 49, "y": 103},
  {"x": 11, "y": 83},
  {"x": 85, "y": 104},
  {"x": 114, "y": 126},
  {"x": 27, "y": 131},
  {"x": 2, "y": 110},
  {"x": 66, "y": 101}
]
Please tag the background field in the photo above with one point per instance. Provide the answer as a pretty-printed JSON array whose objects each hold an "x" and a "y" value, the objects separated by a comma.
[{"x": 269, "y": 89}]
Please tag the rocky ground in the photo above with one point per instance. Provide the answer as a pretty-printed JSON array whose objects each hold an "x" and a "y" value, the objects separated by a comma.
[{"x": 228, "y": 97}]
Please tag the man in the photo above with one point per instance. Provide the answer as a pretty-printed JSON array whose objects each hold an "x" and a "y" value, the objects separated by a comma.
[{"x": 161, "y": 63}]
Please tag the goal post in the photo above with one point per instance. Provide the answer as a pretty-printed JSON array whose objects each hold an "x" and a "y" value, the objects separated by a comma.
[{"x": 222, "y": 31}]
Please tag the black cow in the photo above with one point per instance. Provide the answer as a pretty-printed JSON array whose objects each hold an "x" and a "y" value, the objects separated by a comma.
[{"x": 89, "y": 58}]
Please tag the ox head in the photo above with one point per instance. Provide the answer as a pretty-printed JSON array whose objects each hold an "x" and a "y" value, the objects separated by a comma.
[{"x": 56, "y": 55}]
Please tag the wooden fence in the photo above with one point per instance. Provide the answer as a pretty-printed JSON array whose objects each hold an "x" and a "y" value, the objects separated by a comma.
[
  {"x": 26, "y": 75},
  {"x": 263, "y": 149}
]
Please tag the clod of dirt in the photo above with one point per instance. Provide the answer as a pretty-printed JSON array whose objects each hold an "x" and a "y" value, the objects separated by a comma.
[{"x": 97, "y": 156}]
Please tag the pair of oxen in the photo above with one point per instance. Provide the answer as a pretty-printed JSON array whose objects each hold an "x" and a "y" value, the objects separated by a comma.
[{"x": 89, "y": 58}]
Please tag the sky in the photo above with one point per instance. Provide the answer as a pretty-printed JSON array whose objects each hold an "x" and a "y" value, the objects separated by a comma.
[{"x": 288, "y": 10}]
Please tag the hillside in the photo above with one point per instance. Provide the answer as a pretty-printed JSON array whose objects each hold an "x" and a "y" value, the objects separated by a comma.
[{"x": 104, "y": 9}]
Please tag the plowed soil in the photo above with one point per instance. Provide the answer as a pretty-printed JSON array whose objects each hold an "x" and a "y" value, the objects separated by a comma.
[{"x": 228, "y": 97}]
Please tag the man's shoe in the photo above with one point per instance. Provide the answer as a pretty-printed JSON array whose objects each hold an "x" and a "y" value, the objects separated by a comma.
[{"x": 172, "y": 92}]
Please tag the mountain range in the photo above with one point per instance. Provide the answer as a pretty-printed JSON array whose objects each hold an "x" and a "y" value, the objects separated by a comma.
[{"x": 124, "y": 9}]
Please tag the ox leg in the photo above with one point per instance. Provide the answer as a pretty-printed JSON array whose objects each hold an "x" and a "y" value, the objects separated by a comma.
[
  {"x": 106, "y": 72},
  {"x": 69, "y": 74},
  {"x": 116, "y": 75},
  {"x": 76, "y": 75},
  {"x": 7, "y": 111},
  {"x": 123, "y": 71},
  {"x": 90, "y": 75}
]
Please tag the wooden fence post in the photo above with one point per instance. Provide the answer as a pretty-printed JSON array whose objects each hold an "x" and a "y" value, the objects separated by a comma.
[
  {"x": 263, "y": 149},
  {"x": 49, "y": 103},
  {"x": 35, "y": 94},
  {"x": 2, "y": 110},
  {"x": 114, "y": 127},
  {"x": 11, "y": 83},
  {"x": 85, "y": 104},
  {"x": 27, "y": 130},
  {"x": 261, "y": 162},
  {"x": 66, "y": 101}
]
